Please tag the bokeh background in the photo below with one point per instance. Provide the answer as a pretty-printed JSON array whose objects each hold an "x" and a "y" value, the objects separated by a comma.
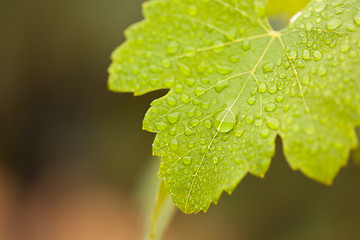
[{"x": 71, "y": 152}]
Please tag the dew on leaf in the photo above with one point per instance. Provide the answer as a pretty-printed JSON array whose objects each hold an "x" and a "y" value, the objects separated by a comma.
[
  {"x": 185, "y": 98},
  {"x": 208, "y": 124},
  {"x": 174, "y": 145},
  {"x": 357, "y": 19},
  {"x": 273, "y": 123},
  {"x": 184, "y": 69},
  {"x": 173, "y": 117},
  {"x": 246, "y": 45},
  {"x": 270, "y": 107},
  {"x": 334, "y": 24},
  {"x": 187, "y": 160},
  {"x": 221, "y": 86},
  {"x": 173, "y": 47},
  {"x": 192, "y": 11},
  {"x": 161, "y": 126},
  {"x": 268, "y": 67},
  {"x": 251, "y": 100},
  {"x": 317, "y": 55},
  {"x": 225, "y": 121}
]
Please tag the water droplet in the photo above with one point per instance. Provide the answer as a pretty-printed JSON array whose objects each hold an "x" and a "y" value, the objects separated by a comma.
[
  {"x": 265, "y": 133},
  {"x": 223, "y": 69},
  {"x": 250, "y": 119},
  {"x": 334, "y": 24},
  {"x": 169, "y": 82},
  {"x": 260, "y": 8},
  {"x": 174, "y": 145},
  {"x": 185, "y": 98},
  {"x": 178, "y": 88},
  {"x": 357, "y": 19},
  {"x": 199, "y": 91},
  {"x": 279, "y": 98},
  {"x": 234, "y": 58},
  {"x": 190, "y": 82},
  {"x": 319, "y": 7},
  {"x": 317, "y": 55},
  {"x": 218, "y": 46},
  {"x": 322, "y": 71},
  {"x": 184, "y": 69},
  {"x": 270, "y": 107},
  {"x": 345, "y": 48},
  {"x": 251, "y": 100},
  {"x": 245, "y": 45},
  {"x": 225, "y": 121},
  {"x": 273, "y": 123},
  {"x": 192, "y": 11},
  {"x": 189, "y": 132},
  {"x": 293, "y": 54},
  {"x": 173, "y": 117},
  {"x": 309, "y": 26},
  {"x": 268, "y": 67},
  {"x": 171, "y": 101},
  {"x": 173, "y": 47},
  {"x": 161, "y": 126},
  {"x": 221, "y": 86},
  {"x": 262, "y": 87},
  {"x": 208, "y": 124},
  {"x": 156, "y": 69},
  {"x": 187, "y": 160},
  {"x": 239, "y": 132}
]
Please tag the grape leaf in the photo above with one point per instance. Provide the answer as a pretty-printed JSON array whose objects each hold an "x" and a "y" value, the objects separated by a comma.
[{"x": 235, "y": 84}]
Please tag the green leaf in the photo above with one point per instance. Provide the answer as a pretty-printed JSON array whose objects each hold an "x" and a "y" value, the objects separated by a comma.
[{"x": 235, "y": 84}]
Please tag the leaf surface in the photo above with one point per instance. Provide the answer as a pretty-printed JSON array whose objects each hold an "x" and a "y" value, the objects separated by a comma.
[{"x": 235, "y": 84}]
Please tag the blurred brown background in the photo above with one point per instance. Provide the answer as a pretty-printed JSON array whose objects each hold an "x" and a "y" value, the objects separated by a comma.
[{"x": 71, "y": 151}]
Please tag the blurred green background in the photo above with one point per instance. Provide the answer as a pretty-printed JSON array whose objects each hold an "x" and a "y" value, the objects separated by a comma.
[{"x": 71, "y": 151}]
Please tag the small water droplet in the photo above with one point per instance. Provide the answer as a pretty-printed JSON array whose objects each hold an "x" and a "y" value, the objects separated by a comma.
[
  {"x": 357, "y": 19},
  {"x": 246, "y": 45},
  {"x": 268, "y": 67},
  {"x": 185, "y": 98},
  {"x": 173, "y": 117},
  {"x": 187, "y": 160},
  {"x": 173, "y": 47},
  {"x": 273, "y": 123},
  {"x": 223, "y": 69},
  {"x": 161, "y": 126},
  {"x": 190, "y": 82},
  {"x": 174, "y": 145},
  {"x": 225, "y": 121},
  {"x": 262, "y": 87},
  {"x": 265, "y": 133},
  {"x": 251, "y": 100},
  {"x": 221, "y": 86},
  {"x": 317, "y": 55},
  {"x": 192, "y": 11},
  {"x": 270, "y": 107},
  {"x": 218, "y": 46},
  {"x": 208, "y": 124},
  {"x": 184, "y": 69},
  {"x": 334, "y": 24},
  {"x": 171, "y": 101}
]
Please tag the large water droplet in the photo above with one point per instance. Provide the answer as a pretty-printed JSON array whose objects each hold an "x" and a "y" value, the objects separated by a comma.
[
  {"x": 225, "y": 121},
  {"x": 208, "y": 124}
]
